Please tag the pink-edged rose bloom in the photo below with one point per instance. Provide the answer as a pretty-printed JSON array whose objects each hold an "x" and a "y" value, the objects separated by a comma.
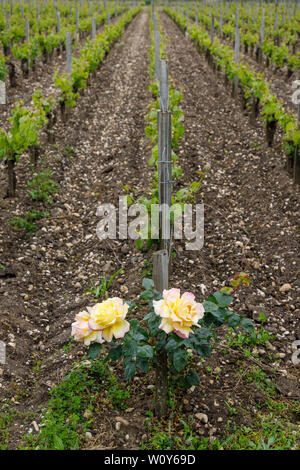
[
  {"x": 179, "y": 314},
  {"x": 82, "y": 331},
  {"x": 109, "y": 317}
]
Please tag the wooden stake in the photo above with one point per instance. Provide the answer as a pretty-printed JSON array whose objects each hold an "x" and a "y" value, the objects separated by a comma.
[
  {"x": 160, "y": 279},
  {"x": 93, "y": 29},
  {"x": 164, "y": 157},
  {"x": 297, "y": 153},
  {"x": 157, "y": 54},
  {"x": 69, "y": 52}
]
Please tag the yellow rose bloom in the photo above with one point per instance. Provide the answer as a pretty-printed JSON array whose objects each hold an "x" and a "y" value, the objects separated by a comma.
[
  {"x": 82, "y": 331},
  {"x": 109, "y": 317},
  {"x": 179, "y": 314}
]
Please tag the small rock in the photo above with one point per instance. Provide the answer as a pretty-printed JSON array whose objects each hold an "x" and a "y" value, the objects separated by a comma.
[
  {"x": 88, "y": 435},
  {"x": 202, "y": 417},
  {"x": 121, "y": 420},
  {"x": 87, "y": 414},
  {"x": 107, "y": 267},
  {"x": 35, "y": 425},
  {"x": 285, "y": 288}
]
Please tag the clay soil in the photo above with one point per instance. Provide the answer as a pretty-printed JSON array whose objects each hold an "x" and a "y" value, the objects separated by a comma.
[{"x": 251, "y": 215}]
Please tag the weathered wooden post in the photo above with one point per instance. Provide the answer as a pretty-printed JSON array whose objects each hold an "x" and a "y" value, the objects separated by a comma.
[
  {"x": 27, "y": 40},
  {"x": 160, "y": 279},
  {"x": 161, "y": 258},
  {"x": 7, "y": 49},
  {"x": 297, "y": 151},
  {"x": 261, "y": 37},
  {"x": 93, "y": 29},
  {"x": 69, "y": 52},
  {"x": 277, "y": 36},
  {"x": 58, "y": 22},
  {"x": 164, "y": 156},
  {"x": 187, "y": 15},
  {"x": 157, "y": 54},
  {"x": 236, "y": 51},
  {"x": 212, "y": 30}
]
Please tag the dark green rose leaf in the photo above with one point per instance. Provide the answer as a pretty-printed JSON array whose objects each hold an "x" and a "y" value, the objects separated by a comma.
[
  {"x": 130, "y": 370},
  {"x": 147, "y": 284},
  {"x": 142, "y": 363},
  {"x": 145, "y": 351},
  {"x": 115, "y": 353},
  {"x": 94, "y": 350},
  {"x": 179, "y": 359},
  {"x": 247, "y": 325},
  {"x": 210, "y": 306},
  {"x": 233, "y": 320},
  {"x": 191, "y": 379},
  {"x": 223, "y": 299}
]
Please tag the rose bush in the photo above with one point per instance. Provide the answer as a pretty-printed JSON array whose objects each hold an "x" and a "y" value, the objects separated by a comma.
[{"x": 175, "y": 324}]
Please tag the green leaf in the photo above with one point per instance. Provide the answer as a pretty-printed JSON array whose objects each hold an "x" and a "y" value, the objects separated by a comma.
[
  {"x": 203, "y": 348},
  {"x": 179, "y": 359},
  {"x": 233, "y": 320},
  {"x": 210, "y": 306},
  {"x": 58, "y": 443},
  {"x": 130, "y": 370},
  {"x": 191, "y": 379},
  {"x": 115, "y": 353},
  {"x": 94, "y": 350},
  {"x": 247, "y": 325},
  {"x": 130, "y": 349},
  {"x": 131, "y": 305},
  {"x": 172, "y": 345},
  {"x": 147, "y": 295},
  {"x": 153, "y": 324},
  {"x": 145, "y": 351},
  {"x": 223, "y": 299},
  {"x": 219, "y": 315},
  {"x": 142, "y": 363},
  {"x": 148, "y": 284}
]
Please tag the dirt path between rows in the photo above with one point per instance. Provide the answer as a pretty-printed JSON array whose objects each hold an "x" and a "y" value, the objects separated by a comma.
[{"x": 98, "y": 151}]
